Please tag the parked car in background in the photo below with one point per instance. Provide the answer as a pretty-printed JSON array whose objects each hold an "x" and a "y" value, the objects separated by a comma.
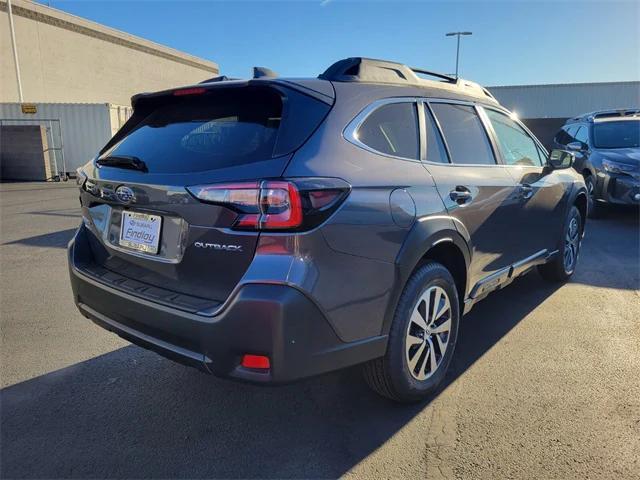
[
  {"x": 607, "y": 146},
  {"x": 272, "y": 229}
]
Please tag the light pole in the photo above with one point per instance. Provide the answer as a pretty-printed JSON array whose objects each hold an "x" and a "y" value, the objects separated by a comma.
[{"x": 458, "y": 34}]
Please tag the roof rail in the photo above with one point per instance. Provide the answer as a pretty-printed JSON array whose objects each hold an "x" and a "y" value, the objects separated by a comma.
[
  {"x": 360, "y": 69},
  {"x": 623, "y": 112},
  {"x": 443, "y": 76},
  {"x": 602, "y": 114}
]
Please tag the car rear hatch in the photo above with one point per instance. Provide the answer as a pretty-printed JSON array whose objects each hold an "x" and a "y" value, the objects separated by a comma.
[{"x": 151, "y": 235}]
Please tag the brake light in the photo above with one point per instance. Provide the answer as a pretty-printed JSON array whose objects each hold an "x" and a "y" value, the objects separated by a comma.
[
  {"x": 189, "y": 91},
  {"x": 276, "y": 204}
]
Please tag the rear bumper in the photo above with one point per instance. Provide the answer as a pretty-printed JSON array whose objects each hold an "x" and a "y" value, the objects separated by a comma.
[
  {"x": 618, "y": 189},
  {"x": 274, "y": 320}
]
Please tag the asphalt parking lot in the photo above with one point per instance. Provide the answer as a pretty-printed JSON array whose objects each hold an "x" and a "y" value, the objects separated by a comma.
[{"x": 546, "y": 382}]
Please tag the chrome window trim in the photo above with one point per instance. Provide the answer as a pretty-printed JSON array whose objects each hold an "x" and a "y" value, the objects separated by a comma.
[{"x": 350, "y": 131}]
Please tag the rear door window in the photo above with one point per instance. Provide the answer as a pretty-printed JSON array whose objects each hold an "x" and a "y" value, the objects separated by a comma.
[
  {"x": 562, "y": 138},
  {"x": 392, "y": 129},
  {"x": 206, "y": 132},
  {"x": 571, "y": 131},
  {"x": 435, "y": 147},
  {"x": 464, "y": 133},
  {"x": 582, "y": 135},
  {"x": 516, "y": 146}
]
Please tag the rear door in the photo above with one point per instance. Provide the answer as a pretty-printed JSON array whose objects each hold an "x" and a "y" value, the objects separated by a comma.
[
  {"x": 541, "y": 193},
  {"x": 147, "y": 227},
  {"x": 478, "y": 193}
]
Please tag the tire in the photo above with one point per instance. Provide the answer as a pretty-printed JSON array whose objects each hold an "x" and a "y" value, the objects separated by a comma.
[
  {"x": 560, "y": 268},
  {"x": 391, "y": 376},
  {"x": 594, "y": 209}
]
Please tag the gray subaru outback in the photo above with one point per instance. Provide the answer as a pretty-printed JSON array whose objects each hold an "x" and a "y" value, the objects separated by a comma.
[{"x": 273, "y": 229}]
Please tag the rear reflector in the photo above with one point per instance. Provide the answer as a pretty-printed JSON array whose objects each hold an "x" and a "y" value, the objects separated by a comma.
[{"x": 256, "y": 361}]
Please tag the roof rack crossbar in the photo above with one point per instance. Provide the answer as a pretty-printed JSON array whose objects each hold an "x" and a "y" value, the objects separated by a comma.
[{"x": 443, "y": 76}]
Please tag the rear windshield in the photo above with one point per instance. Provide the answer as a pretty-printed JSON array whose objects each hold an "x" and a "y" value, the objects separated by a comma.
[
  {"x": 206, "y": 132},
  {"x": 625, "y": 134}
]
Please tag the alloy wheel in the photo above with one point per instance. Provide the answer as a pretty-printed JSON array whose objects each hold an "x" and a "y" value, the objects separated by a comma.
[
  {"x": 428, "y": 333},
  {"x": 571, "y": 245}
]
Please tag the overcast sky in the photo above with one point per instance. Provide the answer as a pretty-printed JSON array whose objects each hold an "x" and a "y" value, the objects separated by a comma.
[{"x": 512, "y": 43}]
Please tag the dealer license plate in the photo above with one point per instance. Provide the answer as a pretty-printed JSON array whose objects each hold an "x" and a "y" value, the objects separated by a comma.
[{"x": 140, "y": 231}]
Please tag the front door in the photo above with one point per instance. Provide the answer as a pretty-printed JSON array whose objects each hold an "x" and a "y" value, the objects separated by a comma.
[
  {"x": 479, "y": 194},
  {"x": 541, "y": 192}
]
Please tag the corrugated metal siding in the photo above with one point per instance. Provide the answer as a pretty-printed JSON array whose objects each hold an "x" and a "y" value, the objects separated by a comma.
[
  {"x": 567, "y": 100},
  {"x": 85, "y": 127}
]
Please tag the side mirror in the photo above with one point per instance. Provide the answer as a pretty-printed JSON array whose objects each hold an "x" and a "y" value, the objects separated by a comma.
[
  {"x": 575, "y": 146},
  {"x": 560, "y": 159}
]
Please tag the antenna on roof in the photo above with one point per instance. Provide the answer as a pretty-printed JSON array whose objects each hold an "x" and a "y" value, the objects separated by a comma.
[{"x": 263, "y": 72}]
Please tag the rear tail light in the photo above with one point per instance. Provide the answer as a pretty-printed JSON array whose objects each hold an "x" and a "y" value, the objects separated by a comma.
[{"x": 276, "y": 204}]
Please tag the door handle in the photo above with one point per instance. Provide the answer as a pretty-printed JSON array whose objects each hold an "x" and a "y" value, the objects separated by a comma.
[
  {"x": 527, "y": 191},
  {"x": 460, "y": 194}
]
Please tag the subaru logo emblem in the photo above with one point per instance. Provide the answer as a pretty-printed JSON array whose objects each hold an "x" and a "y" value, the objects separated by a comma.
[{"x": 125, "y": 194}]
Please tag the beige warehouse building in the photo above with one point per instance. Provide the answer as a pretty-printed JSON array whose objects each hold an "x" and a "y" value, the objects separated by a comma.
[
  {"x": 77, "y": 79},
  {"x": 64, "y": 58}
]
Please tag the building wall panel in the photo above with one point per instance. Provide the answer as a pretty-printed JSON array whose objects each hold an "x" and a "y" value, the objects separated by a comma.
[
  {"x": 81, "y": 129},
  {"x": 64, "y": 58},
  {"x": 567, "y": 100}
]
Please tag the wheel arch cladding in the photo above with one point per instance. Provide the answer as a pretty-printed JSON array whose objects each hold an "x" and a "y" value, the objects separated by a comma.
[
  {"x": 581, "y": 204},
  {"x": 452, "y": 258},
  {"x": 445, "y": 246}
]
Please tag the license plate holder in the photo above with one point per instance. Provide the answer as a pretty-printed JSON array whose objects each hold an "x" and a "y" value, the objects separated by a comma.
[{"x": 140, "y": 231}]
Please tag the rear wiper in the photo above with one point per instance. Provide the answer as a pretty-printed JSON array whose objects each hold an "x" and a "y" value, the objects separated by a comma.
[{"x": 123, "y": 161}]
